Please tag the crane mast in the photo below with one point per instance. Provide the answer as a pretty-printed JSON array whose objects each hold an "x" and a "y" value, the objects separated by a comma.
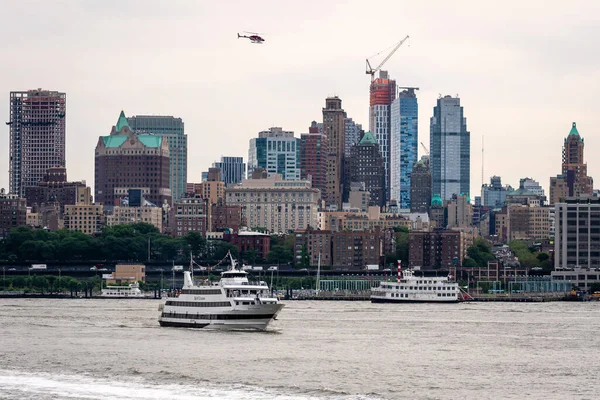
[{"x": 371, "y": 71}]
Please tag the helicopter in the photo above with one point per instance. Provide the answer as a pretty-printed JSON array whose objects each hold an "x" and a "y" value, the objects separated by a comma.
[{"x": 254, "y": 37}]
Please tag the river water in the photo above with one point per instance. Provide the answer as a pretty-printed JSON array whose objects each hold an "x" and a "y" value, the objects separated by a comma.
[{"x": 115, "y": 349}]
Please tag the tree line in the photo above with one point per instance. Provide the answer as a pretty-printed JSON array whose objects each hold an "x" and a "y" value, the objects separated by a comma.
[{"x": 137, "y": 242}]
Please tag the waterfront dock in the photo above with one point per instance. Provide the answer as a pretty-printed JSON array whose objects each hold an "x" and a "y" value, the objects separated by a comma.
[
  {"x": 333, "y": 298},
  {"x": 476, "y": 297},
  {"x": 520, "y": 298}
]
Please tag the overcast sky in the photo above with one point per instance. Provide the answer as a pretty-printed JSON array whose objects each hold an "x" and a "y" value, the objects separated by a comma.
[{"x": 524, "y": 70}]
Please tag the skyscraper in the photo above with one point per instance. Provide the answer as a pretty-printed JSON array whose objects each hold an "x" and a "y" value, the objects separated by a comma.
[
  {"x": 334, "y": 128},
  {"x": 494, "y": 194},
  {"x": 173, "y": 129},
  {"x": 382, "y": 94},
  {"x": 420, "y": 187},
  {"x": 37, "y": 136},
  {"x": 404, "y": 144},
  {"x": 366, "y": 165},
  {"x": 233, "y": 169},
  {"x": 351, "y": 135},
  {"x": 450, "y": 145},
  {"x": 573, "y": 181},
  {"x": 313, "y": 157},
  {"x": 125, "y": 160},
  {"x": 277, "y": 151}
]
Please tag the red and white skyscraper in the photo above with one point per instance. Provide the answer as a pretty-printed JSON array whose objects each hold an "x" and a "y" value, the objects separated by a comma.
[
  {"x": 382, "y": 94},
  {"x": 37, "y": 136}
]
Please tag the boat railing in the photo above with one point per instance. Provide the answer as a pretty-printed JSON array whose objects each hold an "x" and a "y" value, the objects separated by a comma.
[{"x": 247, "y": 283}]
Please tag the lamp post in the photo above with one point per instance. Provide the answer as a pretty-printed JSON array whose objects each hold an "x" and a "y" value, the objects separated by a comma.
[{"x": 59, "y": 278}]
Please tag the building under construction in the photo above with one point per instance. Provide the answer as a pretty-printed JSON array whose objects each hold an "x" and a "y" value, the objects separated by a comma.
[
  {"x": 382, "y": 94},
  {"x": 37, "y": 136}
]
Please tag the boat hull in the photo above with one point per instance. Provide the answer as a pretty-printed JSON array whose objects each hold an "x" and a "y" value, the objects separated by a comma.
[
  {"x": 405, "y": 300},
  {"x": 258, "y": 325},
  {"x": 256, "y": 319}
]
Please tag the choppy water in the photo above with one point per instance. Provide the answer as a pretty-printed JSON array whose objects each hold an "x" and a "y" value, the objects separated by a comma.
[{"x": 115, "y": 349}]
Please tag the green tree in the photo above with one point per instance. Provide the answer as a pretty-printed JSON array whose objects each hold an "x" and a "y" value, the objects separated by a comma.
[
  {"x": 280, "y": 254},
  {"x": 480, "y": 253},
  {"x": 595, "y": 287},
  {"x": 402, "y": 244},
  {"x": 469, "y": 263},
  {"x": 166, "y": 248},
  {"x": 250, "y": 256},
  {"x": 195, "y": 243}
]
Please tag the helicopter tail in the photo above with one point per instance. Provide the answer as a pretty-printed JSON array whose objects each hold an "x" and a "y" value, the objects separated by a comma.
[{"x": 238, "y": 35}]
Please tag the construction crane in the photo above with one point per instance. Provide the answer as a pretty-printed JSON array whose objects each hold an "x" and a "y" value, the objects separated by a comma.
[
  {"x": 371, "y": 71},
  {"x": 425, "y": 148}
]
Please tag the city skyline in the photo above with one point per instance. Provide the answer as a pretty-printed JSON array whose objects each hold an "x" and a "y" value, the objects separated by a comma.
[{"x": 487, "y": 70}]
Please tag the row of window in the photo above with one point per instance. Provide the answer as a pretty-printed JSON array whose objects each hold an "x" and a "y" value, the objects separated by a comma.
[
  {"x": 201, "y": 291},
  {"x": 198, "y": 304},
  {"x": 217, "y": 316}
]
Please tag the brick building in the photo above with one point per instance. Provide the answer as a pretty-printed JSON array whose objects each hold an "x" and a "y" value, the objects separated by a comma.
[
  {"x": 13, "y": 212},
  {"x": 189, "y": 214},
  {"x": 312, "y": 243},
  {"x": 223, "y": 216},
  {"x": 247, "y": 240},
  {"x": 573, "y": 181},
  {"x": 125, "y": 160},
  {"x": 356, "y": 249},
  {"x": 313, "y": 157},
  {"x": 334, "y": 128},
  {"x": 53, "y": 188},
  {"x": 437, "y": 249}
]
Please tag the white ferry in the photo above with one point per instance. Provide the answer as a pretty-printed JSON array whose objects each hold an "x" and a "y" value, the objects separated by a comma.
[
  {"x": 416, "y": 289},
  {"x": 132, "y": 290},
  {"x": 232, "y": 303}
]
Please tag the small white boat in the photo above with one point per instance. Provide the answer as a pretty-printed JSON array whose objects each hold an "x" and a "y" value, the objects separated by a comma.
[
  {"x": 232, "y": 303},
  {"x": 131, "y": 290}
]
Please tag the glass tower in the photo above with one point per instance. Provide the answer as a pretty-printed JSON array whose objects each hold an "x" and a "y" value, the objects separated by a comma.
[
  {"x": 404, "y": 145},
  {"x": 450, "y": 146},
  {"x": 233, "y": 169},
  {"x": 173, "y": 129},
  {"x": 277, "y": 151}
]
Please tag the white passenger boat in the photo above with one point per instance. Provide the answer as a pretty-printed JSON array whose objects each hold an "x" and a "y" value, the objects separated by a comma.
[
  {"x": 132, "y": 290},
  {"x": 416, "y": 289},
  {"x": 232, "y": 303}
]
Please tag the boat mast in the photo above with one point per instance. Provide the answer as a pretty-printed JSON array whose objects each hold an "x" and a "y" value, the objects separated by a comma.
[
  {"x": 232, "y": 261},
  {"x": 192, "y": 266},
  {"x": 318, "y": 274}
]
